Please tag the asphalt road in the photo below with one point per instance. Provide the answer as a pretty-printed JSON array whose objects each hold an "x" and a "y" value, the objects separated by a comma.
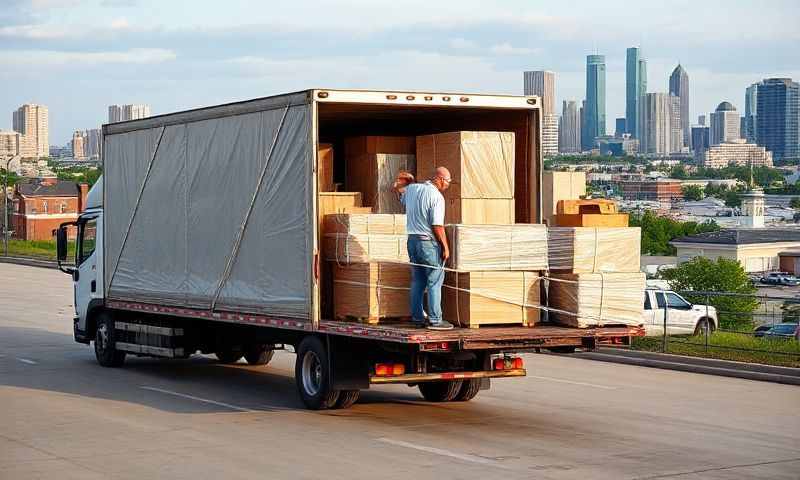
[{"x": 62, "y": 416}]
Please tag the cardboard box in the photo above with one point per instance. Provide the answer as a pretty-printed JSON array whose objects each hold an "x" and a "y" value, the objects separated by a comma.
[
  {"x": 592, "y": 220},
  {"x": 597, "y": 299},
  {"x": 560, "y": 186},
  {"x": 365, "y": 248},
  {"x": 371, "y": 291},
  {"x": 365, "y": 223},
  {"x": 473, "y": 299},
  {"x": 594, "y": 250},
  {"x": 481, "y": 163},
  {"x": 598, "y": 206},
  {"x": 497, "y": 247},
  {"x": 325, "y": 167},
  {"x": 372, "y": 164}
]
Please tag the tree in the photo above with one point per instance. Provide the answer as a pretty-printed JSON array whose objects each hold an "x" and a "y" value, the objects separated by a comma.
[
  {"x": 732, "y": 199},
  {"x": 724, "y": 276},
  {"x": 678, "y": 172},
  {"x": 692, "y": 192},
  {"x": 795, "y": 203},
  {"x": 657, "y": 232}
]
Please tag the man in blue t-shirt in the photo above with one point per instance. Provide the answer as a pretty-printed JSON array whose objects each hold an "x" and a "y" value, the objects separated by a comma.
[{"x": 427, "y": 244}]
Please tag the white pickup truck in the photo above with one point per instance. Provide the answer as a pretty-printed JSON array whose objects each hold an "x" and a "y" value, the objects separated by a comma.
[{"x": 683, "y": 316}]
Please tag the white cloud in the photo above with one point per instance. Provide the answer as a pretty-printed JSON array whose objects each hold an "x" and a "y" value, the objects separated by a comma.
[
  {"x": 461, "y": 43},
  {"x": 53, "y": 58},
  {"x": 508, "y": 49},
  {"x": 35, "y": 32}
]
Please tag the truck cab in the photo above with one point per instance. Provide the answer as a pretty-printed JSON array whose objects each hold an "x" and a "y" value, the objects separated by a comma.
[
  {"x": 86, "y": 266},
  {"x": 680, "y": 316}
]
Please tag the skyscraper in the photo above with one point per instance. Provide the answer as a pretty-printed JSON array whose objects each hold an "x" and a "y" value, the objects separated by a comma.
[
  {"x": 655, "y": 123},
  {"x": 724, "y": 124},
  {"x": 543, "y": 84},
  {"x": 700, "y": 140},
  {"x": 123, "y": 113},
  {"x": 778, "y": 118},
  {"x": 595, "y": 112},
  {"x": 78, "y": 150},
  {"x": 675, "y": 128},
  {"x": 569, "y": 130},
  {"x": 635, "y": 88},
  {"x": 31, "y": 121},
  {"x": 620, "y": 127},
  {"x": 582, "y": 129},
  {"x": 701, "y": 120},
  {"x": 92, "y": 143},
  {"x": 750, "y": 107},
  {"x": 679, "y": 86}
]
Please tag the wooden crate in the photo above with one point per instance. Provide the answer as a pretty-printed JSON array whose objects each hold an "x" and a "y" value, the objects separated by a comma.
[
  {"x": 520, "y": 247},
  {"x": 592, "y": 220},
  {"x": 368, "y": 292},
  {"x": 372, "y": 164},
  {"x": 597, "y": 299},
  {"x": 594, "y": 250},
  {"x": 597, "y": 206},
  {"x": 472, "y": 299},
  {"x": 325, "y": 167}
]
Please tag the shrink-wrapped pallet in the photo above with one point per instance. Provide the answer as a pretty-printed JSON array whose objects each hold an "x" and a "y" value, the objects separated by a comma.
[
  {"x": 372, "y": 164},
  {"x": 497, "y": 247},
  {"x": 481, "y": 166},
  {"x": 471, "y": 299},
  {"x": 364, "y": 248},
  {"x": 370, "y": 291},
  {"x": 361, "y": 223},
  {"x": 590, "y": 249},
  {"x": 596, "y": 299}
]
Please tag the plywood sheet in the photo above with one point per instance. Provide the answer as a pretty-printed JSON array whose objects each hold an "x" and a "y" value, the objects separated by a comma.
[
  {"x": 597, "y": 299},
  {"x": 589, "y": 249},
  {"x": 489, "y": 298},
  {"x": 497, "y": 247},
  {"x": 365, "y": 223},
  {"x": 365, "y": 248},
  {"x": 370, "y": 291}
]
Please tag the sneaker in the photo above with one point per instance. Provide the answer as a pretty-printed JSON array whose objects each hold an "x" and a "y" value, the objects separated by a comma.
[
  {"x": 440, "y": 325},
  {"x": 418, "y": 323}
]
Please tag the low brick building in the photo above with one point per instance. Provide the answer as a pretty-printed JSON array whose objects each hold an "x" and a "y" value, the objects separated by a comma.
[
  {"x": 663, "y": 190},
  {"x": 43, "y": 204}
]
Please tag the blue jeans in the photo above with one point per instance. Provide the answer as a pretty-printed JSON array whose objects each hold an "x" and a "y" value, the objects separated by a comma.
[{"x": 426, "y": 252}]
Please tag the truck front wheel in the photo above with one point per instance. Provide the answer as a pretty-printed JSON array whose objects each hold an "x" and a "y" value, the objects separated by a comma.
[
  {"x": 105, "y": 344},
  {"x": 312, "y": 375},
  {"x": 440, "y": 391}
]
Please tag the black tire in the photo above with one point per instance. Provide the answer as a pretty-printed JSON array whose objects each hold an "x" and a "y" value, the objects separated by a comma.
[
  {"x": 702, "y": 325},
  {"x": 104, "y": 342},
  {"x": 444, "y": 391},
  {"x": 228, "y": 355},
  {"x": 469, "y": 389},
  {"x": 563, "y": 349},
  {"x": 260, "y": 355},
  {"x": 347, "y": 398},
  {"x": 312, "y": 375}
]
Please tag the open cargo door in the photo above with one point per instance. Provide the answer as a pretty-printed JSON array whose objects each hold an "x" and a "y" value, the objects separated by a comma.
[{"x": 213, "y": 208}]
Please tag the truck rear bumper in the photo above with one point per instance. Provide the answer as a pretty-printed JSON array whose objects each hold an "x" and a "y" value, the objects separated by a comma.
[{"x": 443, "y": 376}]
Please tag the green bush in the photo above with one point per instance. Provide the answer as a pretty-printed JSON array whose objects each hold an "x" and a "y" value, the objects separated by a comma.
[{"x": 657, "y": 232}]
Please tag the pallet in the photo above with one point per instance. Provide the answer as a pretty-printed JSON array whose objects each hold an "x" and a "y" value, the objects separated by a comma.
[{"x": 396, "y": 321}]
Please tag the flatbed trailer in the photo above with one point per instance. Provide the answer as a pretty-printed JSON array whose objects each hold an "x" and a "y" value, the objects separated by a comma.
[{"x": 203, "y": 235}]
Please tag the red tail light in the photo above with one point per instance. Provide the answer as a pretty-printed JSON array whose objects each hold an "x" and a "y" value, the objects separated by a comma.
[
  {"x": 499, "y": 364},
  {"x": 398, "y": 369},
  {"x": 518, "y": 363},
  {"x": 382, "y": 369}
]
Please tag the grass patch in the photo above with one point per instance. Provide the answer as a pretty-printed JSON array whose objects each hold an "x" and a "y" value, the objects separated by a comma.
[
  {"x": 728, "y": 346},
  {"x": 40, "y": 249}
]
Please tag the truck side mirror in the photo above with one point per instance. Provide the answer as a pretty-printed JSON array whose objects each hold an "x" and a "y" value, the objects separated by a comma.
[{"x": 61, "y": 243}]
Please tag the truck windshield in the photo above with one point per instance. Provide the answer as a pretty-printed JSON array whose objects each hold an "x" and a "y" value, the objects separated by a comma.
[{"x": 87, "y": 240}]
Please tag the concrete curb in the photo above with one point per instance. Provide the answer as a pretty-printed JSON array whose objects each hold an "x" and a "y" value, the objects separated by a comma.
[
  {"x": 724, "y": 368},
  {"x": 30, "y": 262}
]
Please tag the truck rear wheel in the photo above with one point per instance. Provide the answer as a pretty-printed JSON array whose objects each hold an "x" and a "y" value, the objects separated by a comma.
[
  {"x": 347, "y": 398},
  {"x": 440, "y": 391},
  {"x": 312, "y": 375},
  {"x": 259, "y": 355},
  {"x": 105, "y": 344},
  {"x": 469, "y": 389}
]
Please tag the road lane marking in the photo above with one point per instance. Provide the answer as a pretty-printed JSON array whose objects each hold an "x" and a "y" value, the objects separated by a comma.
[
  {"x": 447, "y": 453},
  {"x": 583, "y": 384},
  {"x": 27, "y": 360},
  {"x": 197, "y": 399}
]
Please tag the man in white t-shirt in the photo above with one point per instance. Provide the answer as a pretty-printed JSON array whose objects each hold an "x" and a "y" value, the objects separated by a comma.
[{"x": 427, "y": 244}]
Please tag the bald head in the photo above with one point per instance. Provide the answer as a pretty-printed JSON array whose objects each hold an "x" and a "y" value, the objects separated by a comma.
[{"x": 441, "y": 178}]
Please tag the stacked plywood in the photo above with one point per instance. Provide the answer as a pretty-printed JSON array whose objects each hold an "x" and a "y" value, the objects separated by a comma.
[
  {"x": 560, "y": 186},
  {"x": 372, "y": 164},
  {"x": 598, "y": 281},
  {"x": 370, "y": 291},
  {"x": 472, "y": 299},
  {"x": 481, "y": 165},
  {"x": 520, "y": 247}
]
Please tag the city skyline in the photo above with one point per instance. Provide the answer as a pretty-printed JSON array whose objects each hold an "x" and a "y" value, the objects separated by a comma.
[{"x": 203, "y": 56}]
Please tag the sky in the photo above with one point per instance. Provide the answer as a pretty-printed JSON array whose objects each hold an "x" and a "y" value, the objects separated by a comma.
[{"x": 79, "y": 56}]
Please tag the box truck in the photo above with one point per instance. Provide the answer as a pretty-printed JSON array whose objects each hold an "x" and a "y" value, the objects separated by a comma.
[{"x": 203, "y": 236}]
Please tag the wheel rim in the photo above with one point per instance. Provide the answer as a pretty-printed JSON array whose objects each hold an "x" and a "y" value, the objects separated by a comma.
[
  {"x": 101, "y": 339},
  {"x": 312, "y": 373}
]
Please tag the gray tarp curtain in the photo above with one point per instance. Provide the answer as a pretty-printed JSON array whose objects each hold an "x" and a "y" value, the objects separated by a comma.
[{"x": 195, "y": 199}]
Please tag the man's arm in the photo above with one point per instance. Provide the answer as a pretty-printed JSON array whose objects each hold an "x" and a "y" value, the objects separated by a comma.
[
  {"x": 402, "y": 181},
  {"x": 437, "y": 225},
  {"x": 438, "y": 231}
]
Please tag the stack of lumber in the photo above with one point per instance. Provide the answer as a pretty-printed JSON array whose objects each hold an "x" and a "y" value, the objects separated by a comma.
[
  {"x": 481, "y": 166},
  {"x": 519, "y": 247},
  {"x": 589, "y": 213},
  {"x": 598, "y": 281},
  {"x": 472, "y": 299},
  {"x": 372, "y": 165},
  {"x": 560, "y": 186},
  {"x": 365, "y": 237}
]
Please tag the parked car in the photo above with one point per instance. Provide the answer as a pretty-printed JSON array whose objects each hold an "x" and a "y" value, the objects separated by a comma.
[
  {"x": 683, "y": 318},
  {"x": 760, "y": 330},
  {"x": 782, "y": 331},
  {"x": 780, "y": 278}
]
